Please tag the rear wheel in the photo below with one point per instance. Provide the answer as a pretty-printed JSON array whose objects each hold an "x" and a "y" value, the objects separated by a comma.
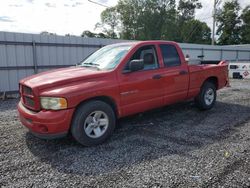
[
  {"x": 207, "y": 96},
  {"x": 93, "y": 123}
]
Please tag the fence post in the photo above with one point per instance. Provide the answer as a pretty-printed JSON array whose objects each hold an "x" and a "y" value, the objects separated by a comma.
[
  {"x": 202, "y": 53},
  {"x": 221, "y": 54},
  {"x": 237, "y": 55},
  {"x": 34, "y": 56}
]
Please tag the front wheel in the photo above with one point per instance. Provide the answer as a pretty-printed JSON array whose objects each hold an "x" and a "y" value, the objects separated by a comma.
[
  {"x": 207, "y": 96},
  {"x": 93, "y": 123}
]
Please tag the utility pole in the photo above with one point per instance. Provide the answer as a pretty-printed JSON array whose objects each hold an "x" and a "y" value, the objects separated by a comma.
[
  {"x": 214, "y": 14},
  {"x": 216, "y": 2}
]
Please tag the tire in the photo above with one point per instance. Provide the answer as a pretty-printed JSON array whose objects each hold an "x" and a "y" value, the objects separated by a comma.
[
  {"x": 85, "y": 127},
  {"x": 207, "y": 96}
]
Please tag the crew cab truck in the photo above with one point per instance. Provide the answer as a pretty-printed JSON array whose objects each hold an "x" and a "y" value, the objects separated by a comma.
[{"x": 116, "y": 81}]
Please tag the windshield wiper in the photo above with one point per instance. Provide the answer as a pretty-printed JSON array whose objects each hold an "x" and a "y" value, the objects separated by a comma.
[
  {"x": 94, "y": 65},
  {"x": 90, "y": 64}
]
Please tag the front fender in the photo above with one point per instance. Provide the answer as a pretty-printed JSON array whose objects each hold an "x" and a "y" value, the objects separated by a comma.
[{"x": 76, "y": 93}]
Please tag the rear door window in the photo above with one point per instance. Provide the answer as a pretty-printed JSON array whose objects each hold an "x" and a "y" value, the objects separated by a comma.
[{"x": 170, "y": 55}]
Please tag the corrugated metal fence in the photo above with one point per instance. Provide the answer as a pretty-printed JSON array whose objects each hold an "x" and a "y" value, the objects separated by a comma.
[
  {"x": 229, "y": 53},
  {"x": 22, "y": 54}
]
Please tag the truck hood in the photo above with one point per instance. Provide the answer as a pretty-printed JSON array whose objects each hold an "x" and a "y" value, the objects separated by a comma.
[{"x": 61, "y": 77}]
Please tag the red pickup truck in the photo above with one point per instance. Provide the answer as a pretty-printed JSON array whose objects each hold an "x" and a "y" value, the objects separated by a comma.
[{"x": 116, "y": 81}]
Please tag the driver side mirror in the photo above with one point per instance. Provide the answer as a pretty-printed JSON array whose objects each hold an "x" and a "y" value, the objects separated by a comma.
[{"x": 136, "y": 65}]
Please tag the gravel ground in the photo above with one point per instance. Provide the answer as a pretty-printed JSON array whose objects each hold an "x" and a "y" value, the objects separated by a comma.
[{"x": 175, "y": 146}]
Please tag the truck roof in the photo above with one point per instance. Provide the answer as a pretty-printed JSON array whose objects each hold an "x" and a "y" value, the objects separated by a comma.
[{"x": 144, "y": 42}]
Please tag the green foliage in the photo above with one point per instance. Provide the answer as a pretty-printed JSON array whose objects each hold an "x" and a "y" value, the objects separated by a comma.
[
  {"x": 195, "y": 31},
  {"x": 131, "y": 18},
  {"x": 47, "y": 33},
  {"x": 169, "y": 30},
  {"x": 89, "y": 34},
  {"x": 109, "y": 22},
  {"x": 187, "y": 8},
  {"x": 167, "y": 20},
  {"x": 229, "y": 23},
  {"x": 158, "y": 19},
  {"x": 245, "y": 29},
  {"x": 188, "y": 28}
]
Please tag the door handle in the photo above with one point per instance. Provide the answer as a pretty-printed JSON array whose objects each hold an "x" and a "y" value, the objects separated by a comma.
[
  {"x": 182, "y": 72},
  {"x": 157, "y": 77}
]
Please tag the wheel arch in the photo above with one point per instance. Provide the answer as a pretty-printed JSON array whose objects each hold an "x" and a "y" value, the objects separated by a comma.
[
  {"x": 109, "y": 100},
  {"x": 213, "y": 80}
]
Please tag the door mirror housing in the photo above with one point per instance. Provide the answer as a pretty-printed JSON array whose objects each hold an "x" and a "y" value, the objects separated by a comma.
[{"x": 136, "y": 65}]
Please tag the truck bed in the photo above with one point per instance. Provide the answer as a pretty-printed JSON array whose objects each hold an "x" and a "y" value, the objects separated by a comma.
[
  {"x": 199, "y": 72},
  {"x": 198, "y": 62}
]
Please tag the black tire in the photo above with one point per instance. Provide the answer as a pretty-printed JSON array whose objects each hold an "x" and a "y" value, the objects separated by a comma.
[
  {"x": 79, "y": 121},
  {"x": 200, "y": 99}
]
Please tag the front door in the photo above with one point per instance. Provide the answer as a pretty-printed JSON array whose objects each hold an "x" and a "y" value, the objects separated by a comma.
[{"x": 141, "y": 90}]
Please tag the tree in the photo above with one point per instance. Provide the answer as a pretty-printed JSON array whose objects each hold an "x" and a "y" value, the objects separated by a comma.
[
  {"x": 229, "y": 23},
  {"x": 147, "y": 19},
  {"x": 186, "y": 13},
  {"x": 195, "y": 31},
  {"x": 101, "y": 35},
  {"x": 245, "y": 28},
  {"x": 89, "y": 34},
  {"x": 159, "y": 19},
  {"x": 130, "y": 11},
  {"x": 47, "y": 33},
  {"x": 187, "y": 8},
  {"x": 109, "y": 22},
  {"x": 150, "y": 20},
  {"x": 170, "y": 26}
]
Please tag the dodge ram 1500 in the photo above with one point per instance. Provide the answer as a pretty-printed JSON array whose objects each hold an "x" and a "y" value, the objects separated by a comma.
[{"x": 116, "y": 81}]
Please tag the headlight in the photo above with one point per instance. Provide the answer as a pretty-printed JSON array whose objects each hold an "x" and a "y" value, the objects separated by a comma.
[{"x": 53, "y": 103}]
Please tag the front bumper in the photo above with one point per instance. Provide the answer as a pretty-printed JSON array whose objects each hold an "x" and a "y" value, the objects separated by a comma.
[{"x": 46, "y": 124}]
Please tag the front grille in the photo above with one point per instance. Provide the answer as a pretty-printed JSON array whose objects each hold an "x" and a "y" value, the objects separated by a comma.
[
  {"x": 27, "y": 90},
  {"x": 28, "y": 97},
  {"x": 28, "y": 101}
]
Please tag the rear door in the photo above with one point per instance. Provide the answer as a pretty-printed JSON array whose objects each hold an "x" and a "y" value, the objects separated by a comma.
[
  {"x": 175, "y": 74},
  {"x": 141, "y": 90}
]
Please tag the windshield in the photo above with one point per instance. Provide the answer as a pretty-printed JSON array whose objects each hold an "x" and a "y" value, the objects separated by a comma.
[{"x": 107, "y": 57}]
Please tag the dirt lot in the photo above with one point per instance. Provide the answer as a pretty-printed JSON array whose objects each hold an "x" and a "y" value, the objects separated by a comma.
[{"x": 175, "y": 146}]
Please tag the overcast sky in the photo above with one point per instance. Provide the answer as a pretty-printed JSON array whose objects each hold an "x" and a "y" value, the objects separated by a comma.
[{"x": 66, "y": 16}]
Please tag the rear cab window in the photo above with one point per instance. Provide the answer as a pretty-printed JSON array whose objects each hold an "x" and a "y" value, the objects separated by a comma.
[{"x": 170, "y": 55}]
